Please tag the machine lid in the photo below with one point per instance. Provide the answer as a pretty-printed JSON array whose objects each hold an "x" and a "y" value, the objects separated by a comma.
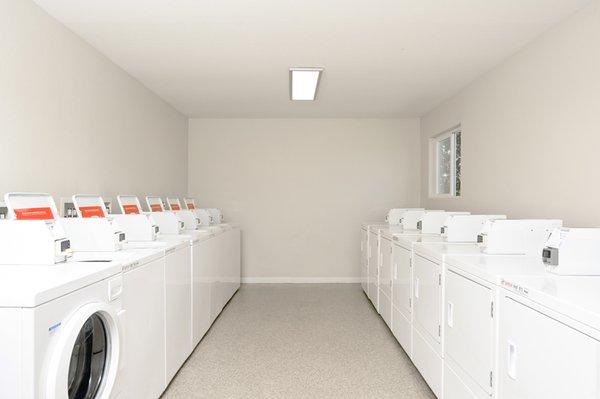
[
  {"x": 30, "y": 206},
  {"x": 129, "y": 204},
  {"x": 88, "y": 206},
  {"x": 155, "y": 204}
]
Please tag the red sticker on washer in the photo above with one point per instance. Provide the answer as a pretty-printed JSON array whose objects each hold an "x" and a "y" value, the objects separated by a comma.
[
  {"x": 44, "y": 213},
  {"x": 175, "y": 207},
  {"x": 131, "y": 209},
  {"x": 156, "y": 208},
  {"x": 94, "y": 211},
  {"x": 190, "y": 205}
]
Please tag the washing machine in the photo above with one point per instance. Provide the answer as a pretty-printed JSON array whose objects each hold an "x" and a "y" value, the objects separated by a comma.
[
  {"x": 95, "y": 237},
  {"x": 177, "y": 279},
  {"x": 61, "y": 332}
]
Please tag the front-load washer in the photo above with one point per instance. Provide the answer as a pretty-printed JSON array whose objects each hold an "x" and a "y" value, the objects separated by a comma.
[
  {"x": 147, "y": 272},
  {"x": 61, "y": 330},
  {"x": 143, "y": 298}
]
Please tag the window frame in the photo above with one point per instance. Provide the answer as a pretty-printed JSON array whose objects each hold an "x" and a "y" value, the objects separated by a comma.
[{"x": 434, "y": 148}]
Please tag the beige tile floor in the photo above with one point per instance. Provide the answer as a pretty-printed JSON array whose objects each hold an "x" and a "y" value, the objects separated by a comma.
[{"x": 298, "y": 341}]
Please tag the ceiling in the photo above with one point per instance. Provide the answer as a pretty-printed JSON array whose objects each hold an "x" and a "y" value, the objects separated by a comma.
[{"x": 382, "y": 58}]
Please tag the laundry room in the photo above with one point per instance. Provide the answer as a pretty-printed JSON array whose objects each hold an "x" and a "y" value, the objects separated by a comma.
[{"x": 299, "y": 199}]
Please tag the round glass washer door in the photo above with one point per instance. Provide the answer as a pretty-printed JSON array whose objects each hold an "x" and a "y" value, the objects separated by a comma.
[
  {"x": 88, "y": 359},
  {"x": 85, "y": 358}
]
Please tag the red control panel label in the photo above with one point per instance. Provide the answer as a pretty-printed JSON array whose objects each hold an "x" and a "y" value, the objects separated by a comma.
[
  {"x": 131, "y": 209},
  {"x": 94, "y": 211},
  {"x": 44, "y": 213},
  {"x": 191, "y": 206},
  {"x": 175, "y": 207},
  {"x": 156, "y": 208}
]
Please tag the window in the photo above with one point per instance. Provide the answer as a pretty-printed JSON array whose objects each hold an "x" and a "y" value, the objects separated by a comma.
[{"x": 445, "y": 151}]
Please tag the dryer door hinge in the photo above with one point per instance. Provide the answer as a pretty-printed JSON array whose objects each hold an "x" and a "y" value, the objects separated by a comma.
[
  {"x": 492, "y": 310},
  {"x": 439, "y": 330},
  {"x": 491, "y": 378},
  {"x": 439, "y": 279}
]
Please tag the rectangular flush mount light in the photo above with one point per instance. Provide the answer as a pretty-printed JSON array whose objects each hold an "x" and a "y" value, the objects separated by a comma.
[{"x": 304, "y": 83}]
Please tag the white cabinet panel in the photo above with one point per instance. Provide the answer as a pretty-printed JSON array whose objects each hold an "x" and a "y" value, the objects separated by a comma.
[
  {"x": 542, "y": 358},
  {"x": 454, "y": 387},
  {"x": 468, "y": 333},
  {"x": 385, "y": 308},
  {"x": 385, "y": 267},
  {"x": 373, "y": 269},
  {"x": 200, "y": 291},
  {"x": 401, "y": 279},
  {"x": 364, "y": 268},
  {"x": 144, "y": 326},
  {"x": 178, "y": 300},
  {"x": 402, "y": 330},
  {"x": 428, "y": 362},
  {"x": 427, "y": 297}
]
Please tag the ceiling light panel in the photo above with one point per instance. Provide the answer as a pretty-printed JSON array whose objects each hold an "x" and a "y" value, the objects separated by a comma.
[{"x": 304, "y": 83}]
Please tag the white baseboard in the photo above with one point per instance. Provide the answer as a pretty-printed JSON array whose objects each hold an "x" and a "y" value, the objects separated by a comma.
[{"x": 300, "y": 280}]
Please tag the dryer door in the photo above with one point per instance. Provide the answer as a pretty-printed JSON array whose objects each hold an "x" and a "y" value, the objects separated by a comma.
[{"x": 85, "y": 359}]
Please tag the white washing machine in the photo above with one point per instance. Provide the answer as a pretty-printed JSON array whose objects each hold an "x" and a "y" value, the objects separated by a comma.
[
  {"x": 143, "y": 298},
  {"x": 177, "y": 280},
  {"x": 61, "y": 330}
]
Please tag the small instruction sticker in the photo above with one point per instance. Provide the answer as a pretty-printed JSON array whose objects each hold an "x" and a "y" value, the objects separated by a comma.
[
  {"x": 44, "y": 213},
  {"x": 131, "y": 209},
  {"x": 519, "y": 289},
  {"x": 91, "y": 211}
]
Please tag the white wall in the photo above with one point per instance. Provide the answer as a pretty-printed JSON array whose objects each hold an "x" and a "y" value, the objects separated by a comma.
[
  {"x": 71, "y": 121},
  {"x": 531, "y": 130},
  {"x": 301, "y": 187}
]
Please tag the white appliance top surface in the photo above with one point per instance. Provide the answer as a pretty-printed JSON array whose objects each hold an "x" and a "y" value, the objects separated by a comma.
[
  {"x": 365, "y": 225},
  {"x": 187, "y": 237},
  {"x": 577, "y": 297},
  {"x": 160, "y": 244},
  {"x": 142, "y": 255},
  {"x": 408, "y": 240},
  {"x": 27, "y": 286},
  {"x": 390, "y": 231},
  {"x": 374, "y": 228},
  {"x": 202, "y": 235},
  {"x": 492, "y": 268},
  {"x": 440, "y": 250}
]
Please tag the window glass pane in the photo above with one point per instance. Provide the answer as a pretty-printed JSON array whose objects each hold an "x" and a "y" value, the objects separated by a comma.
[
  {"x": 457, "y": 144},
  {"x": 444, "y": 165}
]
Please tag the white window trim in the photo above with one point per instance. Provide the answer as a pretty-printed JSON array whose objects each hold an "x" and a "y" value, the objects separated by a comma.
[{"x": 433, "y": 167}]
